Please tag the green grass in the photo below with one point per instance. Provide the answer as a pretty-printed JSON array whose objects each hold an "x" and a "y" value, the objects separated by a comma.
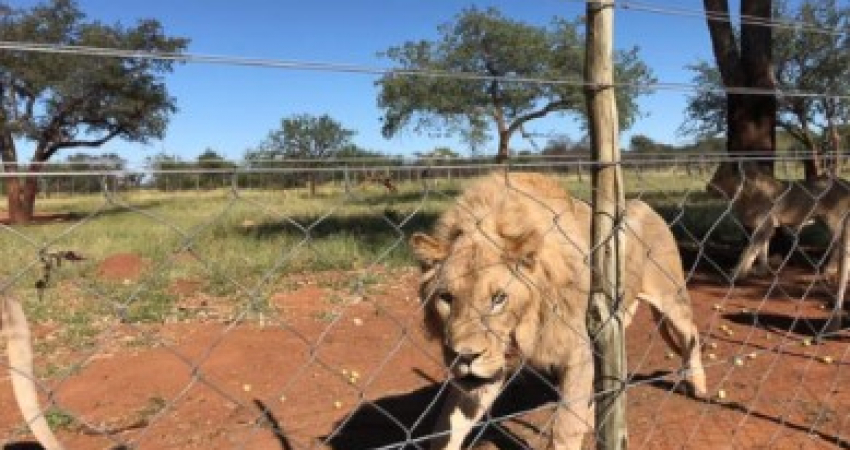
[
  {"x": 59, "y": 419},
  {"x": 236, "y": 247},
  {"x": 243, "y": 245}
]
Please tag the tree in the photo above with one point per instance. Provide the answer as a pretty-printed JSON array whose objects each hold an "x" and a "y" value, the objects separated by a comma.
[
  {"x": 808, "y": 59},
  {"x": 815, "y": 59},
  {"x": 744, "y": 61},
  {"x": 59, "y": 101},
  {"x": 98, "y": 165},
  {"x": 439, "y": 153},
  {"x": 476, "y": 74},
  {"x": 355, "y": 151},
  {"x": 564, "y": 145},
  {"x": 640, "y": 143},
  {"x": 303, "y": 137},
  {"x": 212, "y": 165},
  {"x": 161, "y": 164},
  {"x": 705, "y": 113}
]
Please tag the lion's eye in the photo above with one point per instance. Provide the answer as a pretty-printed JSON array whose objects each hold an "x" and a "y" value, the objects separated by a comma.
[
  {"x": 445, "y": 297},
  {"x": 498, "y": 299}
]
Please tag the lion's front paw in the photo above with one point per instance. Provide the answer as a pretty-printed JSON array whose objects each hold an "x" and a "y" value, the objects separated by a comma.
[
  {"x": 698, "y": 385},
  {"x": 741, "y": 273},
  {"x": 830, "y": 274}
]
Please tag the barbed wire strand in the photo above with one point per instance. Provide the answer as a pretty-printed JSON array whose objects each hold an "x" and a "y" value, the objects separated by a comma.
[{"x": 343, "y": 68}]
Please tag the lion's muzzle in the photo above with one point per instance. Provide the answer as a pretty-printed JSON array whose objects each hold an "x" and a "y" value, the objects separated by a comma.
[
  {"x": 471, "y": 370},
  {"x": 465, "y": 364},
  {"x": 474, "y": 364}
]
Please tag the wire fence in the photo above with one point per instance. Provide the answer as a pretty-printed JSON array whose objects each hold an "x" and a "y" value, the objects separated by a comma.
[
  {"x": 421, "y": 302},
  {"x": 292, "y": 317},
  {"x": 70, "y": 179}
]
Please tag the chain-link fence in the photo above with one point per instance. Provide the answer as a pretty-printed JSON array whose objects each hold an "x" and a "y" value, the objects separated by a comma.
[{"x": 292, "y": 316}]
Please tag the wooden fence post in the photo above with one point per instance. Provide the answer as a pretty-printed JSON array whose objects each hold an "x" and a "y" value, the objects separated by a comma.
[{"x": 604, "y": 317}]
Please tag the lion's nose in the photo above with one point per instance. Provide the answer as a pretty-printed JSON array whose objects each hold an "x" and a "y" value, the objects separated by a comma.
[{"x": 466, "y": 355}]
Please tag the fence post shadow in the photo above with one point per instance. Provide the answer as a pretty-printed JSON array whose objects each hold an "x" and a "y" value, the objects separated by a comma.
[{"x": 273, "y": 424}]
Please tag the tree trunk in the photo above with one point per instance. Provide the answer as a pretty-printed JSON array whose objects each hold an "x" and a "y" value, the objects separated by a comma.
[
  {"x": 812, "y": 166},
  {"x": 835, "y": 144},
  {"x": 311, "y": 184},
  {"x": 750, "y": 118},
  {"x": 13, "y": 200},
  {"x": 751, "y": 123},
  {"x": 504, "y": 150},
  {"x": 502, "y": 128},
  {"x": 757, "y": 62},
  {"x": 21, "y": 193},
  {"x": 21, "y": 199}
]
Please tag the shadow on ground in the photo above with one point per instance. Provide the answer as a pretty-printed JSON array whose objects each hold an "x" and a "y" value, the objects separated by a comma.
[
  {"x": 406, "y": 420},
  {"x": 23, "y": 446},
  {"x": 802, "y": 326}
]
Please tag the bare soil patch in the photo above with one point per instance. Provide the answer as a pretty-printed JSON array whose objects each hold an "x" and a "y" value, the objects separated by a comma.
[
  {"x": 122, "y": 266},
  {"x": 336, "y": 370}
]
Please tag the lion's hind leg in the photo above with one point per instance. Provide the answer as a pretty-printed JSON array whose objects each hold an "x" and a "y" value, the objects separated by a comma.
[
  {"x": 674, "y": 319},
  {"x": 757, "y": 249},
  {"x": 842, "y": 252}
]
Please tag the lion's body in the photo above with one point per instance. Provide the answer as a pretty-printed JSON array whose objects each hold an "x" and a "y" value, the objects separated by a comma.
[
  {"x": 763, "y": 203},
  {"x": 506, "y": 279}
]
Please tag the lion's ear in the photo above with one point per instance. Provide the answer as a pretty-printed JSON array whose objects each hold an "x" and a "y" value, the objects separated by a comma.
[
  {"x": 428, "y": 250},
  {"x": 524, "y": 248}
]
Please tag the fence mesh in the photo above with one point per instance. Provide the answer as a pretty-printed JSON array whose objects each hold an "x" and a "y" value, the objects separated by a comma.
[{"x": 229, "y": 315}]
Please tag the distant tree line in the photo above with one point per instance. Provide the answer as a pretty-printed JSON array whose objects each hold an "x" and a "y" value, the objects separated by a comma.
[
  {"x": 56, "y": 103},
  {"x": 276, "y": 164}
]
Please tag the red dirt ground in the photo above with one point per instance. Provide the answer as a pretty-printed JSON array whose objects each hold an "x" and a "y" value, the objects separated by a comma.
[
  {"x": 347, "y": 373},
  {"x": 122, "y": 266}
]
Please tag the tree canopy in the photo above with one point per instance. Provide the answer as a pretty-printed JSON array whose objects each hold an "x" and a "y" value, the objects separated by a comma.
[
  {"x": 304, "y": 136},
  {"x": 811, "y": 59},
  {"x": 60, "y": 101},
  {"x": 480, "y": 72}
]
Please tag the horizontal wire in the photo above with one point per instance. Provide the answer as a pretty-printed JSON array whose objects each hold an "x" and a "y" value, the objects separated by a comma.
[
  {"x": 268, "y": 63},
  {"x": 460, "y": 160},
  {"x": 336, "y": 67},
  {"x": 772, "y": 22},
  {"x": 320, "y": 166}
]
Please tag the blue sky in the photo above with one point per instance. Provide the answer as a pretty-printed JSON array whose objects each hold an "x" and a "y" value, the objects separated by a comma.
[{"x": 232, "y": 108}]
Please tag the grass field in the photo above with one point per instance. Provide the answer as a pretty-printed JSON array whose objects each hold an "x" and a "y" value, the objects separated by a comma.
[{"x": 238, "y": 244}]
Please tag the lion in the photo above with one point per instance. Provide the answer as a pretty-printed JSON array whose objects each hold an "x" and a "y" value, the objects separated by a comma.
[
  {"x": 14, "y": 325},
  {"x": 764, "y": 203},
  {"x": 506, "y": 283}
]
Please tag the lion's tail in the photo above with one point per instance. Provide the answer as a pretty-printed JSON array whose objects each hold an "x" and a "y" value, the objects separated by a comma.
[{"x": 17, "y": 332}]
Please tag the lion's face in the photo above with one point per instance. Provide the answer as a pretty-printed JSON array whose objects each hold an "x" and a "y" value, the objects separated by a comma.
[{"x": 476, "y": 301}]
